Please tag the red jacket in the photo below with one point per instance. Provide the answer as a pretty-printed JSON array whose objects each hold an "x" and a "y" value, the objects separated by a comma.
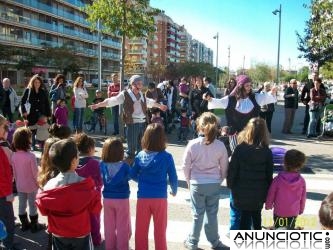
[
  {"x": 68, "y": 207},
  {"x": 113, "y": 89},
  {"x": 6, "y": 175}
]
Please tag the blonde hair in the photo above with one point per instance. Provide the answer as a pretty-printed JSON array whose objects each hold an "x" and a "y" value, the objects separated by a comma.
[
  {"x": 255, "y": 133},
  {"x": 77, "y": 81},
  {"x": 2, "y": 119},
  {"x": 32, "y": 80},
  {"x": 207, "y": 124}
]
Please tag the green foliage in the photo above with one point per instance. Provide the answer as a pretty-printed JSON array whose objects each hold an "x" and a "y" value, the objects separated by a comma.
[
  {"x": 316, "y": 44},
  {"x": 302, "y": 74},
  {"x": 261, "y": 72},
  {"x": 130, "y": 18},
  {"x": 327, "y": 70}
]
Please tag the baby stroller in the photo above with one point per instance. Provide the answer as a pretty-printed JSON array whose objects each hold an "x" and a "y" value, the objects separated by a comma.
[{"x": 327, "y": 121}]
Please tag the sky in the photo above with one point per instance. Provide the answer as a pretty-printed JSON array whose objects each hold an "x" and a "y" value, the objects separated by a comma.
[{"x": 247, "y": 26}]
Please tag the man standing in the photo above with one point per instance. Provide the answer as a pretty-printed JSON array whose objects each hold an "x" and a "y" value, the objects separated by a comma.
[
  {"x": 10, "y": 100},
  {"x": 208, "y": 84},
  {"x": 134, "y": 112},
  {"x": 113, "y": 90},
  {"x": 290, "y": 106}
]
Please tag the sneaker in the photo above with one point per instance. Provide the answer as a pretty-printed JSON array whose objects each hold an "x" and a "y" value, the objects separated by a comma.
[
  {"x": 220, "y": 246},
  {"x": 187, "y": 245}
]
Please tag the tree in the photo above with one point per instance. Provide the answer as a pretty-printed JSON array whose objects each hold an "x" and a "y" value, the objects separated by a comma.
[
  {"x": 316, "y": 45},
  {"x": 327, "y": 70},
  {"x": 126, "y": 18},
  {"x": 261, "y": 72},
  {"x": 303, "y": 74}
]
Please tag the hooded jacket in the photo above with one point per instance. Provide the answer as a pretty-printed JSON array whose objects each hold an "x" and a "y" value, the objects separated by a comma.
[
  {"x": 287, "y": 194},
  {"x": 68, "y": 207},
  {"x": 6, "y": 176},
  {"x": 152, "y": 170}
]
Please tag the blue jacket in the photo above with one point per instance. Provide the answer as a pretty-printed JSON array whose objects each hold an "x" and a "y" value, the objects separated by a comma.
[
  {"x": 152, "y": 170},
  {"x": 115, "y": 179}
]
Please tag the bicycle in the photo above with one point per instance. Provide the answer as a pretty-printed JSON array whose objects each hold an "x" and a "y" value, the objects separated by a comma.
[{"x": 94, "y": 120}]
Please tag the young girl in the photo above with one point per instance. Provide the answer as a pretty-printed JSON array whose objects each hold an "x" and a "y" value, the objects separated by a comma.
[
  {"x": 250, "y": 173},
  {"x": 152, "y": 168},
  {"x": 287, "y": 193},
  {"x": 61, "y": 113},
  {"x": 80, "y": 103},
  {"x": 42, "y": 126},
  {"x": 205, "y": 165},
  {"x": 6, "y": 187},
  {"x": 89, "y": 167},
  {"x": 47, "y": 172},
  {"x": 59, "y": 131},
  {"x": 25, "y": 173},
  {"x": 326, "y": 213},
  {"x": 115, "y": 173}
]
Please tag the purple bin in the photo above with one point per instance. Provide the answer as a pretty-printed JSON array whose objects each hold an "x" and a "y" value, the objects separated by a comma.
[{"x": 278, "y": 157}]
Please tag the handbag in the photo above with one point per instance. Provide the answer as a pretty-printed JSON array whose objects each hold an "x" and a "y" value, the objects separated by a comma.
[{"x": 27, "y": 104}]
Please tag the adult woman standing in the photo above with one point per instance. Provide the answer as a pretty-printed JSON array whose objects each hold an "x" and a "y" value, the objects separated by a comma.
[
  {"x": 267, "y": 110},
  {"x": 317, "y": 99},
  {"x": 231, "y": 84},
  {"x": 80, "y": 94},
  {"x": 205, "y": 165},
  {"x": 198, "y": 104},
  {"x": 36, "y": 95},
  {"x": 57, "y": 91},
  {"x": 250, "y": 173}
]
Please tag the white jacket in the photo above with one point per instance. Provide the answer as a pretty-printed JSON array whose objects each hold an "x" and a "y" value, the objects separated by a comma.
[{"x": 14, "y": 100}]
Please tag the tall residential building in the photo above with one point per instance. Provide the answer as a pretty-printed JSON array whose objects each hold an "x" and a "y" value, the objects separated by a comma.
[
  {"x": 32, "y": 25},
  {"x": 136, "y": 56},
  {"x": 185, "y": 45},
  {"x": 200, "y": 53}
]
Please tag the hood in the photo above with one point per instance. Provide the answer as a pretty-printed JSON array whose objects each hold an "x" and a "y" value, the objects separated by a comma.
[
  {"x": 146, "y": 158},
  {"x": 67, "y": 200},
  {"x": 290, "y": 179}
]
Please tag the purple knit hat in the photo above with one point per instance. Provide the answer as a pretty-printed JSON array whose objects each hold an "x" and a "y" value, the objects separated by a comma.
[{"x": 242, "y": 79}]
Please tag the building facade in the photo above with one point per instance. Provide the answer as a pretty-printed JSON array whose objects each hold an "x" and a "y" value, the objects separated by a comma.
[{"x": 33, "y": 25}]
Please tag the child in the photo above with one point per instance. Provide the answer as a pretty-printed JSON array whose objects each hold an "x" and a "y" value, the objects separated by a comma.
[
  {"x": 42, "y": 132},
  {"x": 68, "y": 200},
  {"x": 156, "y": 116},
  {"x": 326, "y": 213},
  {"x": 152, "y": 168},
  {"x": 61, "y": 113},
  {"x": 47, "y": 172},
  {"x": 59, "y": 131},
  {"x": 224, "y": 137},
  {"x": 89, "y": 167},
  {"x": 6, "y": 188},
  {"x": 25, "y": 173},
  {"x": 115, "y": 173},
  {"x": 97, "y": 112},
  {"x": 205, "y": 165},
  {"x": 250, "y": 174},
  {"x": 287, "y": 193},
  {"x": 184, "y": 126}
]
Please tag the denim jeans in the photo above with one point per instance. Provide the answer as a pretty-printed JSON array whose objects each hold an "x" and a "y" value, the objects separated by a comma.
[
  {"x": 115, "y": 117},
  {"x": 205, "y": 205},
  {"x": 79, "y": 115},
  {"x": 314, "y": 117},
  {"x": 7, "y": 217}
]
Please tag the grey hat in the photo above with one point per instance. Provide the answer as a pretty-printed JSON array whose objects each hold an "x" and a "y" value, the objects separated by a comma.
[{"x": 134, "y": 79}]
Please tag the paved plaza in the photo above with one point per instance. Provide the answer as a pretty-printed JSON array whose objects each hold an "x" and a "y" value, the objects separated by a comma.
[{"x": 317, "y": 173}]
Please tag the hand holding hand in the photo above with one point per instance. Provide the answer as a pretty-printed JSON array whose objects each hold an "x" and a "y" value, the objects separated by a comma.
[{"x": 92, "y": 106}]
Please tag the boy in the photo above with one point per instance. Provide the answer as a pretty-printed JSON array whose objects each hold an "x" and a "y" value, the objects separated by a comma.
[
  {"x": 97, "y": 112},
  {"x": 62, "y": 200},
  {"x": 326, "y": 212},
  {"x": 184, "y": 126}
]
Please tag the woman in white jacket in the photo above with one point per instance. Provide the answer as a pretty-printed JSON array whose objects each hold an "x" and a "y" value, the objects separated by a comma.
[{"x": 80, "y": 94}]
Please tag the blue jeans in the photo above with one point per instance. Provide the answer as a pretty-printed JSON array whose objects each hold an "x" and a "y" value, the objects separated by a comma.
[
  {"x": 235, "y": 215},
  {"x": 314, "y": 117},
  {"x": 115, "y": 116},
  {"x": 7, "y": 217},
  {"x": 78, "y": 115},
  {"x": 205, "y": 205}
]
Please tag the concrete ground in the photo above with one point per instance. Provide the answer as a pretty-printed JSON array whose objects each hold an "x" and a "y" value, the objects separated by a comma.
[{"x": 317, "y": 173}]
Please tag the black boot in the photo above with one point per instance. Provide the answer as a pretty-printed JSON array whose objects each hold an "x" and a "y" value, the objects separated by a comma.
[
  {"x": 35, "y": 226},
  {"x": 25, "y": 224}
]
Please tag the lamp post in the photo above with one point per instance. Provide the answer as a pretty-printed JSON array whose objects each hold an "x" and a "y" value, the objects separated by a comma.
[
  {"x": 228, "y": 63},
  {"x": 99, "y": 56},
  {"x": 217, "y": 59},
  {"x": 278, "y": 54}
]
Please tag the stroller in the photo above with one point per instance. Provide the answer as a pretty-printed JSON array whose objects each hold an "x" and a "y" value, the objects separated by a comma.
[{"x": 327, "y": 121}]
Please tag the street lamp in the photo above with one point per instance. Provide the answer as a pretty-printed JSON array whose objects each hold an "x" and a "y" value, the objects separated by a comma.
[
  {"x": 278, "y": 55},
  {"x": 217, "y": 58}
]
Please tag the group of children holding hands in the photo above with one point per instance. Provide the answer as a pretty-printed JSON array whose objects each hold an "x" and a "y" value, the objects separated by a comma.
[{"x": 73, "y": 185}]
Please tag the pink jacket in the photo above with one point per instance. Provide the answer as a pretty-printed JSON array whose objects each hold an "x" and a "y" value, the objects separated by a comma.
[
  {"x": 25, "y": 171},
  {"x": 203, "y": 163},
  {"x": 287, "y": 194}
]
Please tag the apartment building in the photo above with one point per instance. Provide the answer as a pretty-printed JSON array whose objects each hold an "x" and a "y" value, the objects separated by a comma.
[
  {"x": 200, "y": 53},
  {"x": 32, "y": 25}
]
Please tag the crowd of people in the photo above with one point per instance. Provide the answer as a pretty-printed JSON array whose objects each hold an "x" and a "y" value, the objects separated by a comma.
[{"x": 68, "y": 170}]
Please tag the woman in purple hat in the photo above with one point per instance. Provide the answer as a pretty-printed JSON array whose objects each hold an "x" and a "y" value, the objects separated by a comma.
[{"x": 241, "y": 104}]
